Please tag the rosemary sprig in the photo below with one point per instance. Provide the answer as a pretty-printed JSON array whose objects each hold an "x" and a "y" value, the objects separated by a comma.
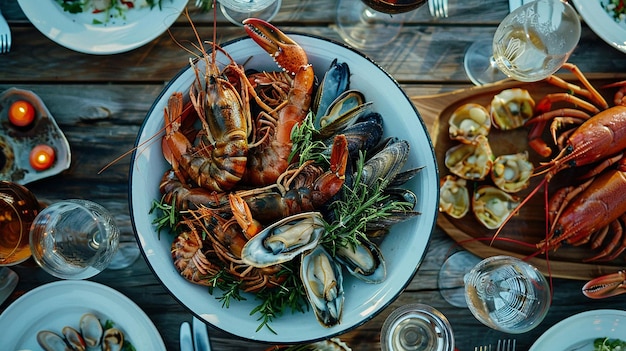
[
  {"x": 306, "y": 143},
  {"x": 228, "y": 284}
]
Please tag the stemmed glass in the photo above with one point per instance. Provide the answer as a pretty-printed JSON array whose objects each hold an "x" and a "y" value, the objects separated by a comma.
[
  {"x": 370, "y": 24},
  {"x": 238, "y": 10},
  {"x": 530, "y": 44},
  {"x": 416, "y": 327},
  {"x": 503, "y": 292}
]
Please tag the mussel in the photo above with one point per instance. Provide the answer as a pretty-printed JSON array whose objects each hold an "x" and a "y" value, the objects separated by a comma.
[
  {"x": 112, "y": 340},
  {"x": 469, "y": 121},
  {"x": 336, "y": 80},
  {"x": 386, "y": 163},
  {"x": 323, "y": 283},
  {"x": 364, "y": 260},
  {"x": 492, "y": 206},
  {"x": 471, "y": 161},
  {"x": 284, "y": 240},
  {"x": 91, "y": 329},
  {"x": 454, "y": 196},
  {"x": 511, "y": 108},
  {"x": 90, "y": 335},
  {"x": 511, "y": 173},
  {"x": 343, "y": 112}
]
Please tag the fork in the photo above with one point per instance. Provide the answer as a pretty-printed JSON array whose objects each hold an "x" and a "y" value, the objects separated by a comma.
[
  {"x": 5, "y": 36},
  {"x": 483, "y": 348},
  {"x": 438, "y": 8},
  {"x": 506, "y": 345}
]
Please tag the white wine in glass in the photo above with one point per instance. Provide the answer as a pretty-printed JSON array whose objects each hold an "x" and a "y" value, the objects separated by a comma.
[
  {"x": 371, "y": 24},
  {"x": 529, "y": 45}
]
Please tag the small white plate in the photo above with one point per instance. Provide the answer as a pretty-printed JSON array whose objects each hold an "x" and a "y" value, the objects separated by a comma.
[
  {"x": 581, "y": 328},
  {"x": 55, "y": 305},
  {"x": 601, "y": 23},
  {"x": 77, "y": 31}
]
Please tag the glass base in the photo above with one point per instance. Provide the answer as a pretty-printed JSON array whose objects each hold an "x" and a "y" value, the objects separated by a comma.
[
  {"x": 126, "y": 254},
  {"x": 451, "y": 275},
  {"x": 8, "y": 282},
  {"x": 364, "y": 28},
  {"x": 479, "y": 64},
  {"x": 236, "y": 17}
]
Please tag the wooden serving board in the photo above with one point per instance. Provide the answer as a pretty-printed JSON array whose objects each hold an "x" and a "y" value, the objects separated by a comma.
[{"x": 529, "y": 226}]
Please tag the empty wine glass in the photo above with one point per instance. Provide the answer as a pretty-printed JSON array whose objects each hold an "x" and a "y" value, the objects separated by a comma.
[
  {"x": 370, "y": 24},
  {"x": 503, "y": 292},
  {"x": 416, "y": 327},
  {"x": 74, "y": 239},
  {"x": 238, "y": 10},
  {"x": 530, "y": 44}
]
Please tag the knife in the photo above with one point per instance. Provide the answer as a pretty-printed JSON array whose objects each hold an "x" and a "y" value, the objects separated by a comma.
[
  {"x": 200, "y": 335},
  {"x": 186, "y": 344}
]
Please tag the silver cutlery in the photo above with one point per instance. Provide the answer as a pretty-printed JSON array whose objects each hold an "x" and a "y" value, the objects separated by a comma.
[
  {"x": 200, "y": 335},
  {"x": 438, "y": 8},
  {"x": 506, "y": 345},
  {"x": 186, "y": 344},
  {"x": 5, "y": 35},
  {"x": 483, "y": 348}
]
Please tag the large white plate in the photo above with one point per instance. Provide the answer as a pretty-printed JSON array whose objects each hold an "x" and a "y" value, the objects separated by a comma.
[
  {"x": 403, "y": 248},
  {"x": 601, "y": 23},
  {"x": 55, "y": 305},
  {"x": 77, "y": 31},
  {"x": 581, "y": 328}
]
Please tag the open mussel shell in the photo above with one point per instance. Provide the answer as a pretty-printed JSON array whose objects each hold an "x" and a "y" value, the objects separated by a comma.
[
  {"x": 336, "y": 80},
  {"x": 454, "y": 198},
  {"x": 512, "y": 173},
  {"x": 343, "y": 112},
  {"x": 363, "y": 260},
  {"x": 112, "y": 340},
  {"x": 323, "y": 283},
  {"x": 469, "y": 121},
  {"x": 471, "y": 161},
  {"x": 284, "y": 240},
  {"x": 91, "y": 329},
  {"x": 51, "y": 341},
  {"x": 492, "y": 206},
  {"x": 511, "y": 108},
  {"x": 74, "y": 338}
]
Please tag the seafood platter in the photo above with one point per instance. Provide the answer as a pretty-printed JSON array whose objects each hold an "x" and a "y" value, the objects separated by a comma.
[
  {"x": 32, "y": 146},
  {"x": 85, "y": 314},
  {"x": 526, "y": 229},
  {"x": 351, "y": 295}
]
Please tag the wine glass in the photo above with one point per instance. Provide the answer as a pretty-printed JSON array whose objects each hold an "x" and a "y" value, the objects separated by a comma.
[
  {"x": 18, "y": 208},
  {"x": 416, "y": 327},
  {"x": 370, "y": 24},
  {"x": 503, "y": 292},
  {"x": 238, "y": 10},
  {"x": 530, "y": 44},
  {"x": 74, "y": 239}
]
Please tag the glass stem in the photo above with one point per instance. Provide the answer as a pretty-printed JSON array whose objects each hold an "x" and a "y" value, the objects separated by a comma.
[{"x": 8, "y": 282}]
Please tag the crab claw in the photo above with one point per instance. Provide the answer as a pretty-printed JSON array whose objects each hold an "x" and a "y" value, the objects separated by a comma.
[
  {"x": 286, "y": 52},
  {"x": 606, "y": 286}
]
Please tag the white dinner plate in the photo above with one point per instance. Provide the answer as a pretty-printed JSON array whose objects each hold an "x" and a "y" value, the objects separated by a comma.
[
  {"x": 601, "y": 23},
  {"x": 55, "y": 305},
  {"x": 583, "y": 328},
  {"x": 77, "y": 31}
]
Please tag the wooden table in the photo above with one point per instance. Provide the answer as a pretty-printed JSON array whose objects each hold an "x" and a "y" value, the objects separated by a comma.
[{"x": 101, "y": 101}]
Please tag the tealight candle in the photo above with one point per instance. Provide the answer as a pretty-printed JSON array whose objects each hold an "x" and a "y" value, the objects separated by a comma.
[
  {"x": 41, "y": 157},
  {"x": 21, "y": 113}
]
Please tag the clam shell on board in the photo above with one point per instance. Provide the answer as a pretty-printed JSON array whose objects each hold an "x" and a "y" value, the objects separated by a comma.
[
  {"x": 454, "y": 198},
  {"x": 492, "y": 206},
  {"x": 511, "y": 108},
  {"x": 511, "y": 173},
  {"x": 471, "y": 161},
  {"x": 468, "y": 122}
]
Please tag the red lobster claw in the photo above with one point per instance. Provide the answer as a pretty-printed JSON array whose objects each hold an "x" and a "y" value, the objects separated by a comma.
[
  {"x": 606, "y": 286},
  {"x": 286, "y": 52}
]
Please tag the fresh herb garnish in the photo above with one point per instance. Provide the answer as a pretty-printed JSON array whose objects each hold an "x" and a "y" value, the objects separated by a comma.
[{"x": 606, "y": 344}]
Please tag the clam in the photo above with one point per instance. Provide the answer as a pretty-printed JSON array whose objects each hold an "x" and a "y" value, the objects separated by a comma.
[
  {"x": 112, "y": 340},
  {"x": 471, "y": 161},
  {"x": 454, "y": 197},
  {"x": 469, "y": 121},
  {"x": 323, "y": 283},
  {"x": 492, "y": 206},
  {"x": 363, "y": 260},
  {"x": 511, "y": 108},
  {"x": 511, "y": 173},
  {"x": 336, "y": 80},
  {"x": 91, "y": 330},
  {"x": 343, "y": 112},
  {"x": 51, "y": 341},
  {"x": 284, "y": 240}
]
